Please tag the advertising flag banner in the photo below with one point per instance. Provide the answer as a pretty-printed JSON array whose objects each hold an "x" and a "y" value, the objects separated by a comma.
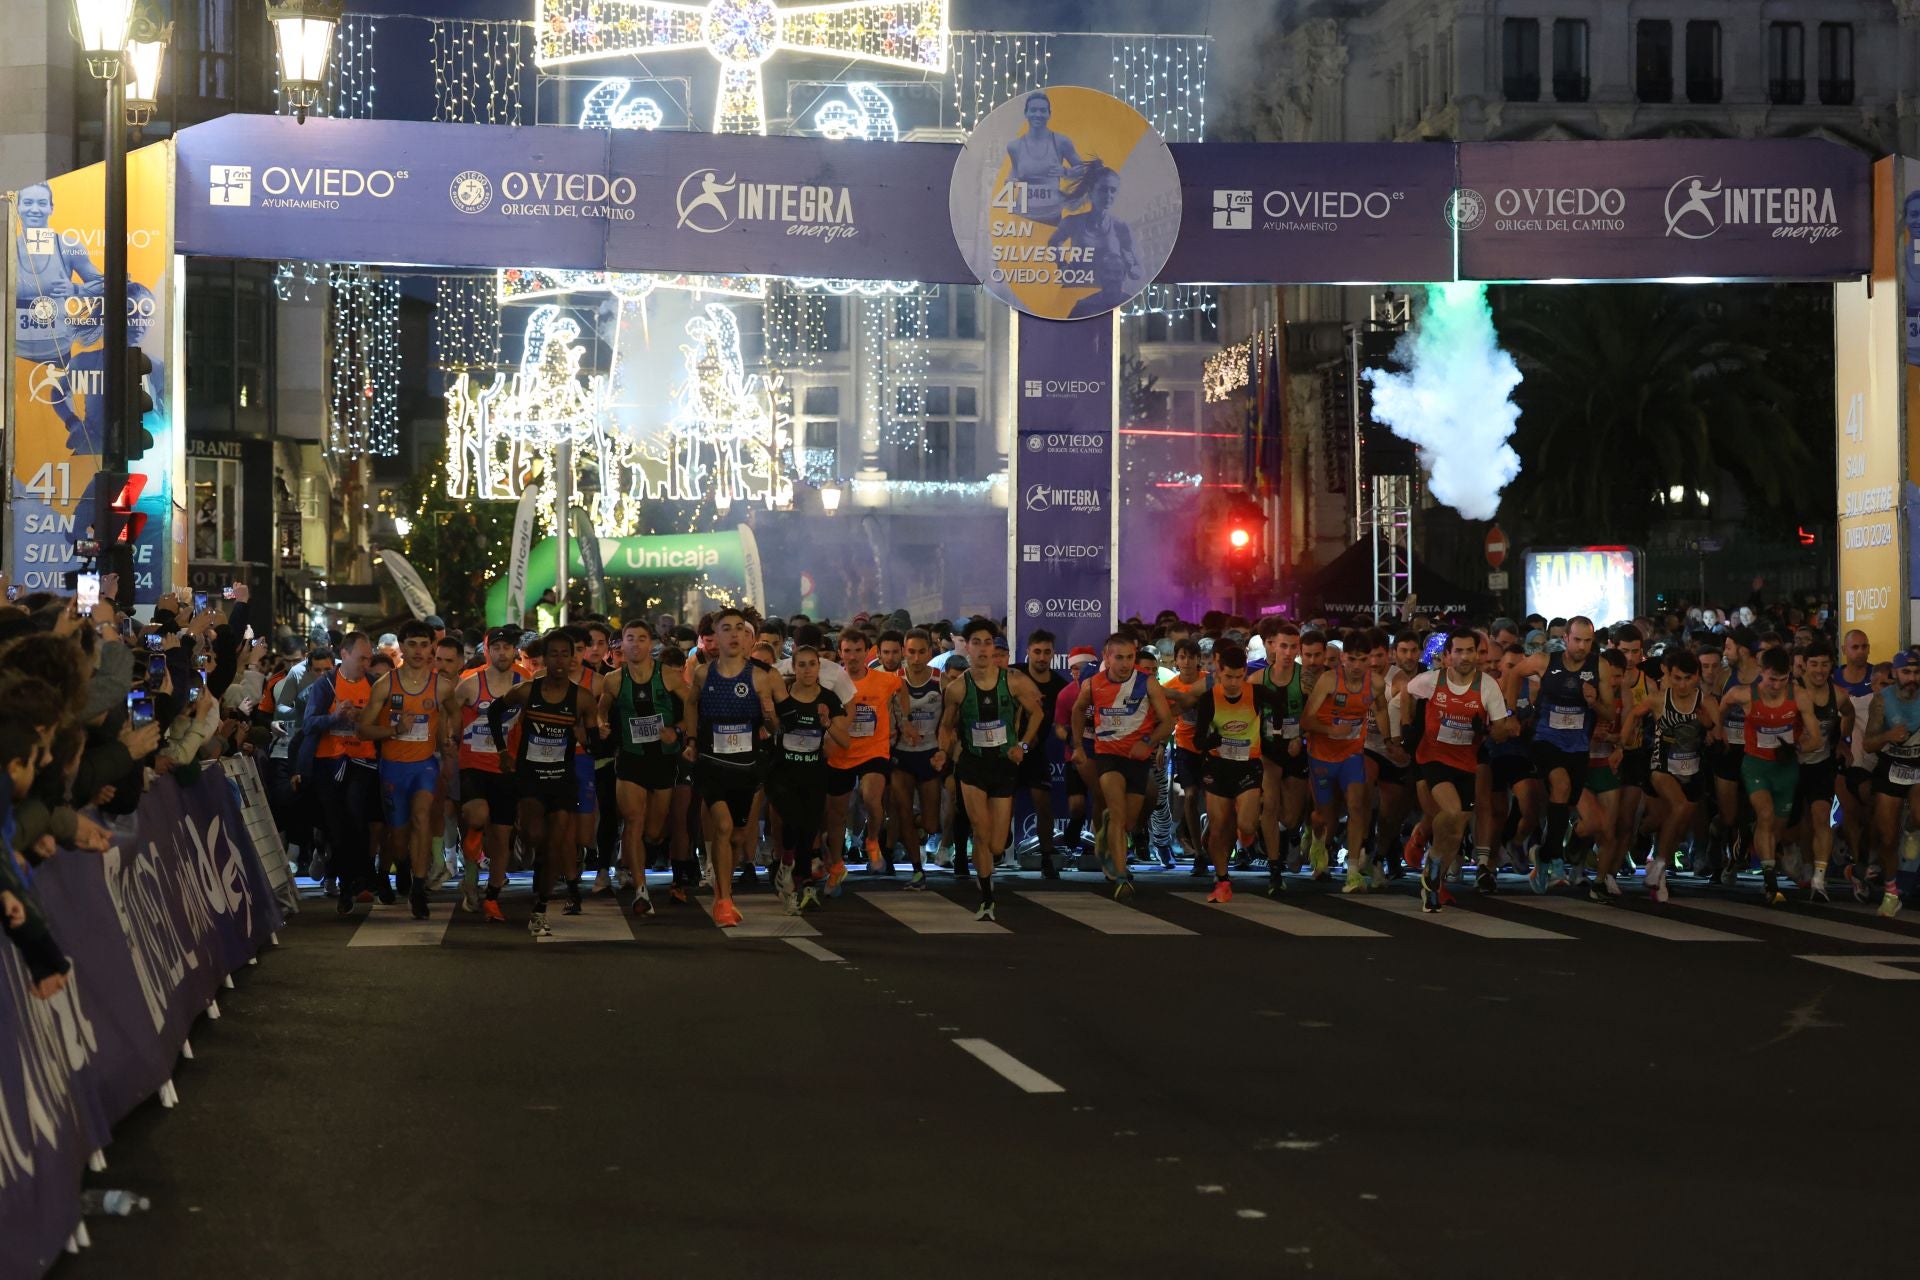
[
  {"x": 59, "y": 372},
  {"x": 523, "y": 522},
  {"x": 407, "y": 578},
  {"x": 1061, "y": 484},
  {"x": 1670, "y": 208}
]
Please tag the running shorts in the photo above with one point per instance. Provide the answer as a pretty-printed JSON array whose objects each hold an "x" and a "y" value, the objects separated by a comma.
[
  {"x": 1778, "y": 778},
  {"x": 1385, "y": 770},
  {"x": 651, "y": 771},
  {"x": 1231, "y": 779},
  {"x": 729, "y": 784},
  {"x": 1076, "y": 785},
  {"x": 1292, "y": 766},
  {"x": 553, "y": 795},
  {"x": 1816, "y": 782},
  {"x": 1601, "y": 777},
  {"x": 1858, "y": 779},
  {"x": 1510, "y": 769},
  {"x": 1726, "y": 762},
  {"x": 1895, "y": 777},
  {"x": 401, "y": 780},
  {"x": 1331, "y": 778},
  {"x": 841, "y": 782},
  {"x": 1189, "y": 768},
  {"x": 1692, "y": 785},
  {"x": 1133, "y": 771},
  {"x": 996, "y": 774},
  {"x": 1636, "y": 768},
  {"x": 1547, "y": 758},
  {"x": 1036, "y": 771},
  {"x": 495, "y": 789},
  {"x": 917, "y": 765},
  {"x": 1433, "y": 773}
]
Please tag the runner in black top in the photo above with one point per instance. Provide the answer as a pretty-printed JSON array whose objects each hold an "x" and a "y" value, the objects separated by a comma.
[
  {"x": 647, "y": 717},
  {"x": 1036, "y": 769},
  {"x": 552, "y": 723},
  {"x": 807, "y": 718}
]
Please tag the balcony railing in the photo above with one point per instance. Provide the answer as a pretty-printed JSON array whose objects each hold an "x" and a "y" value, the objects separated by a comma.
[
  {"x": 1522, "y": 88},
  {"x": 1703, "y": 89},
  {"x": 1837, "y": 93},
  {"x": 1569, "y": 88},
  {"x": 1787, "y": 93},
  {"x": 1655, "y": 88}
]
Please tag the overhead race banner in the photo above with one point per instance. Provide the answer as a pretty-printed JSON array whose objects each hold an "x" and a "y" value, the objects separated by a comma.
[
  {"x": 1065, "y": 203},
  {"x": 417, "y": 193},
  {"x": 722, "y": 556},
  {"x": 1061, "y": 484},
  {"x": 59, "y": 371},
  {"x": 1759, "y": 209},
  {"x": 1312, "y": 212},
  {"x": 1869, "y": 369}
]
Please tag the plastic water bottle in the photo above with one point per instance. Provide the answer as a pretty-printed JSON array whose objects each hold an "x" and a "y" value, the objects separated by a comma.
[{"x": 117, "y": 1203}]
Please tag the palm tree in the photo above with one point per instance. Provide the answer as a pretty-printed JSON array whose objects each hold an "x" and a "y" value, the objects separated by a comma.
[{"x": 1631, "y": 390}]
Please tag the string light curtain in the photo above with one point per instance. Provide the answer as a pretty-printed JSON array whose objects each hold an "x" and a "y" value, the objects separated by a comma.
[
  {"x": 479, "y": 71},
  {"x": 988, "y": 68},
  {"x": 364, "y": 388},
  {"x": 1164, "y": 78},
  {"x": 466, "y": 323}
]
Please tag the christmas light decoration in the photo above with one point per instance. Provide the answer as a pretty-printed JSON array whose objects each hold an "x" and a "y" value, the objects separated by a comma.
[
  {"x": 466, "y": 323},
  {"x": 364, "y": 308},
  {"x": 608, "y": 107},
  {"x": 1226, "y": 371},
  {"x": 722, "y": 442},
  {"x": 990, "y": 67},
  {"x": 868, "y": 117},
  {"x": 477, "y": 71},
  {"x": 742, "y": 35}
]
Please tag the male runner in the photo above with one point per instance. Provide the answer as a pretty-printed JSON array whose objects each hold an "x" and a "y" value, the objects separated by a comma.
[
  {"x": 1742, "y": 667},
  {"x": 341, "y": 766},
  {"x": 1683, "y": 714},
  {"x": 1335, "y": 719},
  {"x": 1855, "y": 678},
  {"x": 551, "y": 725},
  {"x": 1776, "y": 714},
  {"x": 809, "y": 717},
  {"x": 1820, "y": 762},
  {"x": 1036, "y": 770},
  {"x": 879, "y": 702},
  {"x": 1189, "y": 763},
  {"x": 647, "y": 715},
  {"x": 731, "y": 710},
  {"x": 1451, "y": 714},
  {"x": 1893, "y": 732},
  {"x": 1294, "y": 664},
  {"x": 919, "y": 763},
  {"x": 989, "y": 722},
  {"x": 1568, "y": 705},
  {"x": 1228, "y": 732},
  {"x": 1121, "y": 701},
  {"x": 489, "y": 800},
  {"x": 405, "y": 716}
]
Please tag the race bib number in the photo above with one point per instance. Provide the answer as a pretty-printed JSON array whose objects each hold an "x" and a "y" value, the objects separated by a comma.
[
  {"x": 1902, "y": 775},
  {"x": 1772, "y": 738},
  {"x": 866, "y": 721},
  {"x": 1683, "y": 764},
  {"x": 990, "y": 733},
  {"x": 412, "y": 728},
  {"x": 1346, "y": 729},
  {"x": 802, "y": 742},
  {"x": 643, "y": 728},
  {"x": 479, "y": 739},
  {"x": 542, "y": 751},
  {"x": 1232, "y": 749},
  {"x": 1456, "y": 733},
  {"x": 1290, "y": 728},
  {"x": 732, "y": 739},
  {"x": 1566, "y": 718}
]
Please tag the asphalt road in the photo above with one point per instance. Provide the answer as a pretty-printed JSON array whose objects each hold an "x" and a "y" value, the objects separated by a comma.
[{"x": 1346, "y": 1088}]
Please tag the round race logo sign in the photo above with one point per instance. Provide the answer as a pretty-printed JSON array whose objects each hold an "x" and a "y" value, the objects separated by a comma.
[{"x": 1065, "y": 203}]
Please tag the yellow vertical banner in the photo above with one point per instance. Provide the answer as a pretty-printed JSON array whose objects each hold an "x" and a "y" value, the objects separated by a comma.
[{"x": 59, "y": 413}]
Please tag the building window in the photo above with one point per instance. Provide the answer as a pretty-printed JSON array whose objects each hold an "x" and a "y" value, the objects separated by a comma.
[
  {"x": 820, "y": 431},
  {"x": 1836, "y": 64},
  {"x": 1703, "y": 62},
  {"x": 1420, "y": 91},
  {"x": 1787, "y": 63},
  {"x": 938, "y": 311},
  {"x": 1186, "y": 324},
  {"x": 216, "y": 508},
  {"x": 1443, "y": 69},
  {"x": 1653, "y": 60},
  {"x": 1520, "y": 60},
  {"x": 935, "y": 434},
  {"x": 1569, "y": 60}
]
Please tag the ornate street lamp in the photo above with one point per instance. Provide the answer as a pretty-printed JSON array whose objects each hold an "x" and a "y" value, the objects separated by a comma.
[
  {"x": 101, "y": 26},
  {"x": 146, "y": 55},
  {"x": 303, "y": 33}
]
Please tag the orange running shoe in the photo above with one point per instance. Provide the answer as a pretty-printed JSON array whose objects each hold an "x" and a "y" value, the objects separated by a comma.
[
  {"x": 1222, "y": 891},
  {"x": 678, "y": 894},
  {"x": 1416, "y": 851},
  {"x": 491, "y": 910},
  {"x": 725, "y": 914},
  {"x": 470, "y": 845},
  {"x": 875, "y": 862},
  {"x": 836, "y": 875}
]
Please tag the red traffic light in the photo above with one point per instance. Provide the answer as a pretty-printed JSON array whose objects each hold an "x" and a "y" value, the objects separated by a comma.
[
  {"x": 1239, "y": 538},
  {"x": 1807, "y": 537},
  {"x": 123, "y": 525}
]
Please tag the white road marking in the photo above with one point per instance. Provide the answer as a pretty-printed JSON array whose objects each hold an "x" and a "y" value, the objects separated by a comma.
[
  {"x": 1477, "y": 923},
  {"x": 395, "y": 927},
  {"x": 1105, "y": 915},
  {"x": 1022, "y": 1075},
  {"x": 929, "y": 912},
  {"x": 600, "y": 920},
  {"x": 1787, "y": 918},
  {"x": 1885, "y": 968},
  {"x": 814, "y": 949},
  {"x": 1298, "y": 921},
  {"x": 1663, "y": 927},
  {"x": 764, "y": 918}
]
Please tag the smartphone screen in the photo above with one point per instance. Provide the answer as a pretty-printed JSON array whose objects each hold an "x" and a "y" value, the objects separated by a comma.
[
  {"x": 199, "y": 602},
  {"x": 139, "y": 710},
  {"x": 156, "y": 669},
  {"x": 87, "y": 591},
  {"x": 155, "y": 642},
  {"x": 193, "y": 693}
]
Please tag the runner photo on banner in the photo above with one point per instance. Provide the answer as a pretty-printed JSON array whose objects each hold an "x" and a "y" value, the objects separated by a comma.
[{"x": 1065, "y": 203}]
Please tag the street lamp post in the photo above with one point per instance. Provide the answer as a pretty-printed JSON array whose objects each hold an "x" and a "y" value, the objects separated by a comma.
[
  {"x": 102, "y": 27},
  {"x": 303, "y": 35}
]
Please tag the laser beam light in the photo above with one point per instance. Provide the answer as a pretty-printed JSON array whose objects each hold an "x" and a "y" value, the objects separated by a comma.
[{"x": 1455, "y": 401}]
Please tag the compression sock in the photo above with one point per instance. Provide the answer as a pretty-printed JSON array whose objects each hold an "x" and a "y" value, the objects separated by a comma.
[{"x": 1555, "y": 846}]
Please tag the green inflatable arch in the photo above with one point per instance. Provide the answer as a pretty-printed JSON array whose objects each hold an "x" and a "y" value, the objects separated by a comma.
[{"x": 729, "y": 556}]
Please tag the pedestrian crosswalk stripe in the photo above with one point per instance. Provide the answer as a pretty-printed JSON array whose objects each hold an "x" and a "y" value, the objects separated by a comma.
[
  {"x": 1297, "y": 921},
  {"x": 1104, "y": 914},
  {"x": 1663, "y": 927},
  {"x": 1908, "y": 919},
  {"x": 1787, "y": 918},
  {"x": 395, "y": 926},
  {"x": 1885, "y": 968},
  {"x": 814, "y": 949},
  {"x": 764, "y": 918},
  {"x": 929, "y": 912},
  {"x": 1476, "y": 923},
  {"x": 600, "y": 920}
]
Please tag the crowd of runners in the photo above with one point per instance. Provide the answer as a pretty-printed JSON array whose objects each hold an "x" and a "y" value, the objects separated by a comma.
[{"x": 745, "y": 750}]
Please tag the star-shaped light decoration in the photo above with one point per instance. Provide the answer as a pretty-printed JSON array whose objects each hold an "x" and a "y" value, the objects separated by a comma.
[{"x": 742, "y": 35}]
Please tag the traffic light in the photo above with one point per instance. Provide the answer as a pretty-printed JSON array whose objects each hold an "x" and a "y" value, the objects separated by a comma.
[
  {"x": 1807, "y": 536},
  {"x": 1242, "y": 537},
  {"x": 120, "y": 525},
  {"x": 139, "y": 402}
]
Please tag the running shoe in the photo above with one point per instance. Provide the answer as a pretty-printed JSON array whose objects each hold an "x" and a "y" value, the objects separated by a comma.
[
  {"x": 1377, "y": 875},
  {"x": 725, "y": 914},
  {"x": 1317, "y": 857},
  {"x": 573, "y": 899},
  {"x": 537, "y": 926},
  {"x": 877, "y": 864},
  {"x": 1861, "y": 893},
  {"x": 1557, "y": 874},
  {"x": 1123, "y": 889},
  {"x": 1201, "y": 868},
  {"x": 344, "y": 904},
  {"x": 1446, "y": 895},
  {"x": 1537, "y": 878},
  {"x": 1243, "y": 859},
  {"x": 1611, "y": 883},
  {"x": 490, "y": 908},
  {"x": 1356, "y": 881},
  {"x": 417, "y": 899},
  {"x": 1597, "y": 892},
  {"x": 1485, "y": 880},
  {"x": 744, "y": 880},
  {"x": 918, "y": 880},
  {"x": 384, "y": 892},
  {"x": 1770, "y": 888},
  {"x": 1048, "y": 871},
  {"x": 836, "y": 876},
  {"x": 677, "y": 895},
  {"x": 1889, "y": 904},
  {"x": 1222, "y": 891},
  {"x": 809, "y": 899},
  {"x": 1415, "y": 852},
  {"x": 1430, "y": 886},
  {"x": 642, "y": 901},
  {"x": 1817, "y": 887}
]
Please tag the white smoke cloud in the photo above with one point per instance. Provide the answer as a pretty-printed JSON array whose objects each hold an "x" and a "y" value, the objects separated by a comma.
[{"x": 1454, "y": 402}]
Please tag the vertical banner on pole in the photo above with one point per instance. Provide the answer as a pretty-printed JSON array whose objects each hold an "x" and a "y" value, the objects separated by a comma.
[
  {"x": 59, "y": 415},
  {"x": 1904, "y": 238},
  {"x": 1063, "y": 499}
]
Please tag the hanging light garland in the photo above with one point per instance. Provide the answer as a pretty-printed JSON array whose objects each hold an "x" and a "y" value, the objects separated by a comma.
[
  {"x": 365, "y": 382},
  {"x": 478, "y": 71},
  {"x": 466, "y": 323}
]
